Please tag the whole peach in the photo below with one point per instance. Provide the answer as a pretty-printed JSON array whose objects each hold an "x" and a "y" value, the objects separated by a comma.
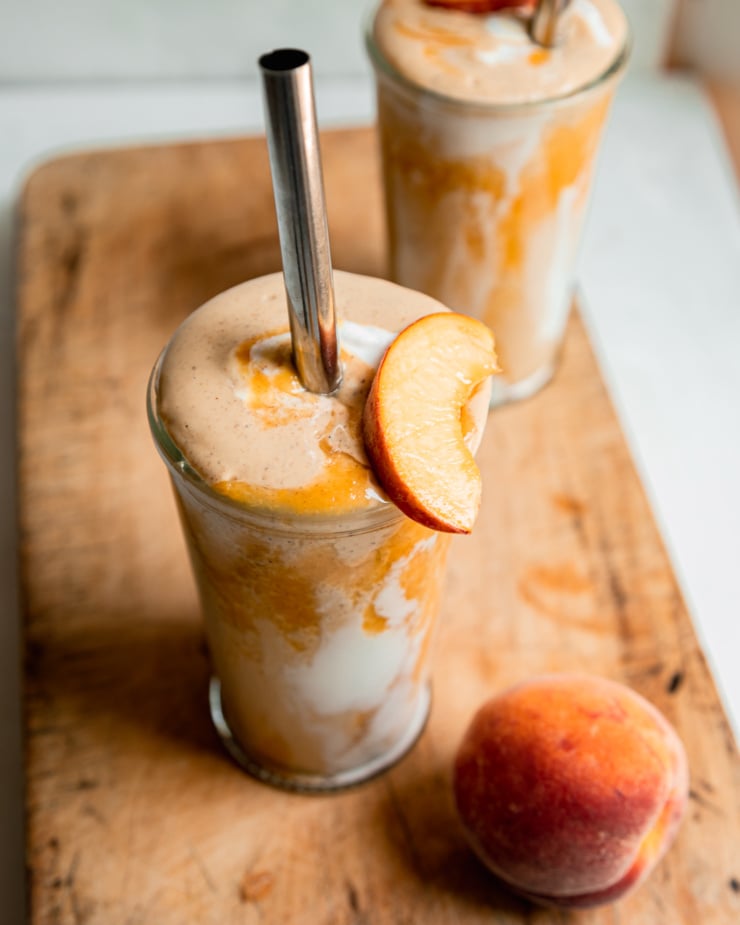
[{"x": 570, "y": 788}]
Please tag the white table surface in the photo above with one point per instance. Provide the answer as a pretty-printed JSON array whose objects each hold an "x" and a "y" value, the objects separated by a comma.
[{"x": 660, "y": 272}]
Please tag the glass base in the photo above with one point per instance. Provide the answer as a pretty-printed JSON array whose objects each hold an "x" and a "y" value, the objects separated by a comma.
[
  {"x": 314, "y": 783},
  {"x": 502, "y": 392}
]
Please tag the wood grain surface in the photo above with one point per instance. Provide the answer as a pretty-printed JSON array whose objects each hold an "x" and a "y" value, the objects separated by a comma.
[{"x": 135, "y": 814}]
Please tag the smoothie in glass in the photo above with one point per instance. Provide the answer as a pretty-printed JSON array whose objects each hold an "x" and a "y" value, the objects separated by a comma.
[
  {"x": 488, "y": 144},
  {"x": 319, "y": 597}
]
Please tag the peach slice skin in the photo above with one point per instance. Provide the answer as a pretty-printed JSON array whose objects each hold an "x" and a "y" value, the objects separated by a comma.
[
  {"x": 481, "y": 6},
  {"x": 412, "y": 421}
]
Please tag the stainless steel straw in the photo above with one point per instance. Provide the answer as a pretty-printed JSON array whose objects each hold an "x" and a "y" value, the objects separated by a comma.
[
  {"x": 295, "y": 162},
  {"x": 544, "y": 28}
]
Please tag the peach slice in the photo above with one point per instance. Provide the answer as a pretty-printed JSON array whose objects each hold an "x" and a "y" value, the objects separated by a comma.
[
  {"x": 414, "y": 422},
  {"x": 481, "y": 6},
  {"x": 570, "y": 788}
]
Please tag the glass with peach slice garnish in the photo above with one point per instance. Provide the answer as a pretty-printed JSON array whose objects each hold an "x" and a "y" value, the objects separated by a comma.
[{"x": 320, "y": 594}]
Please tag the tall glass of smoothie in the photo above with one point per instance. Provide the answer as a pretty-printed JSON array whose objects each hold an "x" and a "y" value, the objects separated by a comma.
[
  {"x": 319, "y": 596},
  {"x": 488, "y": 144}
]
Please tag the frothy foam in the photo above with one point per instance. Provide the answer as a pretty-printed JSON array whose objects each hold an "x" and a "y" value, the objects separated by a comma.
[
  {"x": 232, "y": 401},
  {"x": 492, "y": 58}
]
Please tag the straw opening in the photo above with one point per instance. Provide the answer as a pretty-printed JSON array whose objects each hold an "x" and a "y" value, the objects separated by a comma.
[{"x": 283, "y": 59}]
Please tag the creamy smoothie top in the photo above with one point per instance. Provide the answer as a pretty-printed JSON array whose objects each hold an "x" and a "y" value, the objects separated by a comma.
[
  {"x": 490, "y": 57},
  {"x": 232, "y": 402}
]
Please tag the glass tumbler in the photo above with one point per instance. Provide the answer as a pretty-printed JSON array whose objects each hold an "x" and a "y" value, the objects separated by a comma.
[
  {"x": 485, "y": 205},
  {"x": 319, "y": 628}
]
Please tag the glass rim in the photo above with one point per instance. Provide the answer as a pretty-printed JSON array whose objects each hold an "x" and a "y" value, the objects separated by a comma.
[
  {"x": 384, "y": 514},
  {"x": 382, "y": 65}
]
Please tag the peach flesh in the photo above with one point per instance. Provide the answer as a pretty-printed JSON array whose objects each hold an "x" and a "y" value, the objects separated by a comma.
[
  {"x": 570, "y": 788},
  {"x": 413, "y": 419}
]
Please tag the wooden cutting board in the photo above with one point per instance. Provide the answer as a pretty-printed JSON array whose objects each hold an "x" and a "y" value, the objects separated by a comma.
[{"x": 136, "y": 816}]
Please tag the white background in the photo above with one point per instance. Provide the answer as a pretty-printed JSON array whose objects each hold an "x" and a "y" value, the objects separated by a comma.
[
  {"x": 660, "y": 268},
  {"x": 44, "y": 40},
  {"x": 192, "y": 39}
]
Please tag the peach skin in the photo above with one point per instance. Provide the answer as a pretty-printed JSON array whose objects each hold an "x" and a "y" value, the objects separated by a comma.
[
  {"x": 481, "y": 6},
  {"x": 570, "y": 788}
]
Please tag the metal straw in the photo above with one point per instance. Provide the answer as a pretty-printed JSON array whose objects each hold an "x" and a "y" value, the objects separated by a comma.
[
  {"x": 544, "y": 28},
  {"x": 295, "y": 162}
]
